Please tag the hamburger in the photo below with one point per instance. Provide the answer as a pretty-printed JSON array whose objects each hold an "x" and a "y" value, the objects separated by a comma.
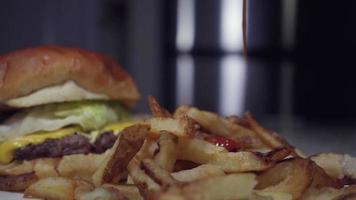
[{"x": 57, "y": 101}]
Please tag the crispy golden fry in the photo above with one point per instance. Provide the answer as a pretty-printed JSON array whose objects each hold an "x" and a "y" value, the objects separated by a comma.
[
  {"x": 129, "y": 191},
  {"x": 232, "y": 186},
  {"x": 82, "y": 187},
  {"x": 274, "y": 195},
  {"x": 183, "y": 127},
  {"x": 337, "y": 166},
  {"x": 217, "y": 125},
  {"x": 52, "y": 188},
  {"x": 278, "y": 154},
  {"x": 273, "y": 140},
  {"x": 17, "y": 182},
  {"x": 292, "y": 176},
  {"x": 197, "y": 173},
  {"x": 158, "y": 174},
  {"x": 144, "y": 182},
  {"x": 322, "y": 179},
  {"x": 210, "y": 121},
  {"x": 104, "y": 193},
  {"x": 181, "y": 111},
  {"x": 77, "y": 166},
  {"x": 346, "y": 193},
  {"x": 203, "y": 152},
  {"x": 167, "y": 152},
  {"x": 197, "y": 150},
  {"x": 46, "y": 167},
  {"x": 113, "y": 168},
  {"x": 240, "y": 162},
  {"x": 156, "y": 109}
]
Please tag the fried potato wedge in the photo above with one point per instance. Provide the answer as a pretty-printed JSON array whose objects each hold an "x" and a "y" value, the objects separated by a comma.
[
  {"x": 232, "y": 186},
  {"x": 243, "y": 161},
  {"x": 197, "y": 173},
  {"x": 57, "y": 188},
  {"x": 322, "y": 179},
  {"x": 143, "y": 181},
  {"x": 46, "y": 167},
  {"x": 337, "y": 166},
  {"x": 80, "y": 166},
  {"x": 275, "y": 195},
  {"x": 203, "y": 152},
  {"x": 17, "y": 182},
  {"x": 183, "y": 127},
  {"x": 158, "y": 174},
  {"x": 292, "y": 176},
  {"x": 346, "y": 193},
  {"x": 197, "y": 150},
  {"x": 167, "y": 152},
  {"x": 113, "y": 168},
  {"x": 104, "y": 193},
  {"x": 129, "y": 191}
]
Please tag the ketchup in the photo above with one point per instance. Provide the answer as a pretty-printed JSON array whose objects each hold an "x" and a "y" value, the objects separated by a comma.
[{"x": 221, "y": 141}]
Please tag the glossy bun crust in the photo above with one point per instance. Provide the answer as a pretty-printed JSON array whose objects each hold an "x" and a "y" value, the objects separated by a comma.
[{"x": 25, "y": 71}]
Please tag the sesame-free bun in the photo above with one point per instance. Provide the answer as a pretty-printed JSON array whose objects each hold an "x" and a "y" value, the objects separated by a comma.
[{"x": 26, "y": 71}]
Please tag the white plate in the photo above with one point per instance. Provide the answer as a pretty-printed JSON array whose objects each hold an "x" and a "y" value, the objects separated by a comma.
[{"x": 11, "y": 196}]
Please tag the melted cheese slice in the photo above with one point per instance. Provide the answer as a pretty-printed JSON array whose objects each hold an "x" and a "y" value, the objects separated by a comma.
[
  {"x": 8, "y": 147},
  {"x": 69, "y": 91}
]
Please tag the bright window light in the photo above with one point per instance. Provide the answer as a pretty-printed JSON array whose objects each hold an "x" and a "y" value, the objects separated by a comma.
[
  {"x": 185, "y": 25},
  {"x": 185, "y": 80},
  {"x": 231, "y": 25},
  {"x": 232, "y": 85}
]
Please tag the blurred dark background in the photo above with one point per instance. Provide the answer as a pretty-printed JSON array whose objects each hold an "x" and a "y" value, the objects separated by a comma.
[{"x": 296, "y": 74}]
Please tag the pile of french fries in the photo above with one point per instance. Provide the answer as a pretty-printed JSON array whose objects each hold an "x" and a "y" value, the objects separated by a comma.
[{"x": 171, "y": 156}]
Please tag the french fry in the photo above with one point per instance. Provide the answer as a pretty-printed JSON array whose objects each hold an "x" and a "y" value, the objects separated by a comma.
[
  {"x": 159, "y": 175},
  {"x": 183, "y": 127},
  {"x": 144, "y": 182},
  {"x": 46, "y": 167},
  {"x": 105, "y": 193},
  {"x": 322, "y": 179},
  {"x": 52, "y": 188},
  {"x": 197, "y": 150},
  {"x": 275, "y": 195},
  {"x": 197, "y": 173},
  {"x": 292, "y": 176},
  {"x": 326, "y": 193},
  {"x": 232, "y": 186},
  {"x": 167, "y": 152},
  {"x": 156, "y": 109},
  {"x": 210, "y": 121},
  {"x": 113, "y": 168},
  {"x": 272, "y": 140},
  {"x": 243, "y": 161},
  {"x": 202, "y": 152},
  {"x": 129, "y": 191},
  {"x": 247, "y": 139},
  {"x": 337, "y": 166},
  {"x": 76, "y": 166}
]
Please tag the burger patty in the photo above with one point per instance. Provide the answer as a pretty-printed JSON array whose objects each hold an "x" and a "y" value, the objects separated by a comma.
[{"x": 71, "y": 144}]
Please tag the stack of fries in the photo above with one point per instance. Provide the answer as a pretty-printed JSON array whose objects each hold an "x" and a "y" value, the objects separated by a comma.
[{"x": 190, "y": 155}]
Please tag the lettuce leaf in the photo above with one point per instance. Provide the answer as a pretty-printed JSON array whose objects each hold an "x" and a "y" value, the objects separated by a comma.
[{"x": 90, "y": 115}]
